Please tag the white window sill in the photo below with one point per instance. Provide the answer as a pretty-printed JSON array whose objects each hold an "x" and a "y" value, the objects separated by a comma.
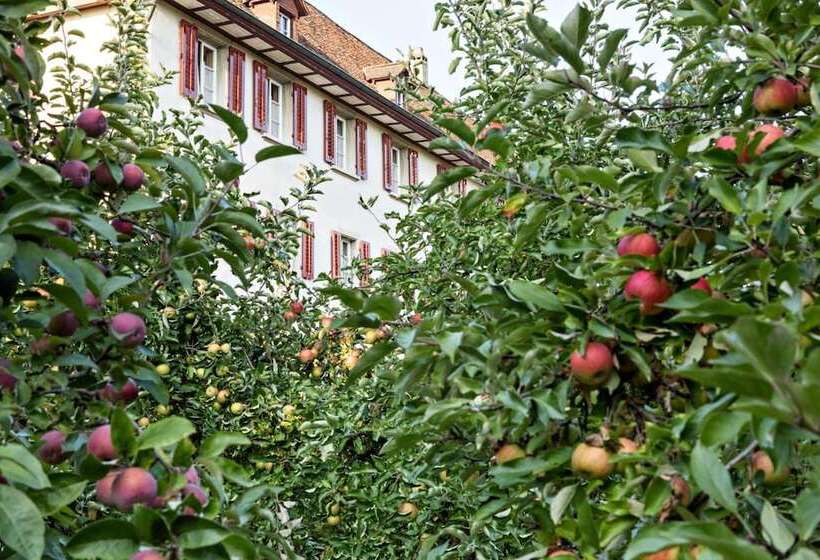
[{"x": 345, "y": 173}]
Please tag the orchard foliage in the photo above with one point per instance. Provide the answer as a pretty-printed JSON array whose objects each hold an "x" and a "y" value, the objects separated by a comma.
[
  {"x": 619, "y": 345},
  {"x": 108, "y": 219}
]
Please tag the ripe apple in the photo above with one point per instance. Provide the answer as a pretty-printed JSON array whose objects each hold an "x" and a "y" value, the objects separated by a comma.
[
  {"x": 761, "y": 462},
  {"x": 92, "y": 122},
  {"x": 327, "y": 321},
  {"x": 123, "y": 227},
  {"x": 222, "y": 396},
  {"x": 771, "y": 134},
  {"x": 681, "y": 490},
  {"x": 250, "y": 242},
  {"x": 297, "y": 307},
  {"x": 91, "y": 301},
  {"x": 132, "y": 177},
  {"x": 104, "y": 487},
  {"x": 650, "y": 288},
  {"x": 415, "y": 319},
  {"x": 775, "y": 96},
  {"x": 133, "y": 486},
  {"x": 77, "y": 173},
  {"x": 509, "y": 452},
  {"x": 289, "y": 316},
  {"x": 591, "y": 461},
  {"x": 594, "y": 366},
  {"x": 702, "y": 285},
  {"x": 63, "y": 225},
  {"x": 63, "y": 324},
  {"x": 627, "y": 446},
  {"x": 100, "y": 444},
  {"x": 128, "y": 329},
  {"x": 51, "y": 452},
  {"x": 147, "y": 555},
  {"x": 103, "y": 177},
  {"x": 307, "y": 355},
  {"x": 642, "y": 244},
  {"x": 7, "y": 380}
]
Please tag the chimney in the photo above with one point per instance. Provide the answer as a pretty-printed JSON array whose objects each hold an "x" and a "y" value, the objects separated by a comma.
[{"x": 417, "y": 65}]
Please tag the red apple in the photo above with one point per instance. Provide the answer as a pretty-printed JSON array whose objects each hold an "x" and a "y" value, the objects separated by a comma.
[
  {"x": 103, "y": 488},
  {"x": 123, "y": 227},
  {"x": 100, "y": 444},
  {"x": 64, "y": 225},
  {"x": 803, "y": 88},
  {"x": 77, "y": 173},
  {"x": 92, "y": 122},
  {"x": 63, "y": 324},
  {"x": 289, "y": 316},
  {"x": 103, "y": 177},
  {"x": 642, "y": 244},
  {"x": 307, "y": 355},
  {"x": 775, "y": 96},
  {"x": 128, "y": 328},
  {"x": 650, "y": 288},
  {"x": 297, "y": 307},
  {"x": 133, "y": 486},
  {"x": 51, "y": 452},
  {"x": 593, "y": 367},
  {"x": 147, "y": 555},
  {"x": 90, "y": 300},
  {"x": 132, "y": 177},
  {"x": 772, "y": 134},
  {"x": 702, "y": 285},
  {"x": 7, "y": 380}
]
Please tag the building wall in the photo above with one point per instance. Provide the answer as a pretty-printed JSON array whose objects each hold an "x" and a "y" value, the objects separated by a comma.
[{"x": 338, "y": 209}]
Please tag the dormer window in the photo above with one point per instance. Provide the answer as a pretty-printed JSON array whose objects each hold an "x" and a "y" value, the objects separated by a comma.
[{"x": 285, "y": 25}]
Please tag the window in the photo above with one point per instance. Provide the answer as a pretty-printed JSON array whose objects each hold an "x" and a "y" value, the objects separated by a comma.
[
  {"x": 274, "y": 109},
  {"x": 395, "y": 167},
  {"x": 207, "y": 72},
  {"x": 285, "y": 24},
  {"x": 347, "y": 254},
  {"x": 341, "y": 143}
]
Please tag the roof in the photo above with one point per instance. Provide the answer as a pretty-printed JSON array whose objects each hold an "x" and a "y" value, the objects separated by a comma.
[{"x": 322, "y": 34}]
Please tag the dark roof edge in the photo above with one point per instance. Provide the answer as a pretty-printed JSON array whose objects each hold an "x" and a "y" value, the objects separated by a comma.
[{"x": 304, "y": 54}]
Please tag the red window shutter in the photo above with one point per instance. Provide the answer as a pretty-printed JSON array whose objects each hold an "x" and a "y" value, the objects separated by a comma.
[
  {"x": 386, "y": 252},
  {"x": 387, "y": 162},
  {"x": 188, "y": 41},
  {"x": 440, "y": 168},
  {"x": 330, "y": 132},
  {"x": 236, "y": 81},
  {"x": 335, "y": 254},
  {"x": 308, "y": 259},
  {"x": 413, "y": 159},
  {"x": 462, "y": 187},
  {"x": 361, "y": 149},
  {"x": 260, "y": 97},
  {"x": 364, "y": 256},
  {"x": 300, "y": 116}
]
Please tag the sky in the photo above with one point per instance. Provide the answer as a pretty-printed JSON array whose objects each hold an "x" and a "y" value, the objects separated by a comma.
[{"x": 391, "y": 26}]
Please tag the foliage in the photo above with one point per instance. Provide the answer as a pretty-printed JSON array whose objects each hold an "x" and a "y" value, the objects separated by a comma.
[{"x": 697, "y": 394}]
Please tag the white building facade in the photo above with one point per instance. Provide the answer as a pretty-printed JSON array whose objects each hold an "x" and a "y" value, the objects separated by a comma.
[{"x": 289, "y": 94}]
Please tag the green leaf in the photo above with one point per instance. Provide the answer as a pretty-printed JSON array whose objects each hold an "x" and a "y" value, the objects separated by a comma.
[
  {"x": 714, "y": 536},
  {"x": 724, "y": 193},
  {"x": 67, "y": 268},
  {"x": 218, "y": 442},
  {"x": 277, "y": 151},
  {"x": 613, "y": 40},
  {"x": 241, "y": 219},
  {"x": 197, "y": 532},
  {"x": 536, "y": 216},
  {"x": 576, "y": 26},
  {"x": 555, "y": 42},
  {"x": 235, "y": 122},
  {"x": 534, "y": 295},
  {"x": 450, "y": 343},
  {"x": 459, "y": 128},
  {"x": 371, "y": 359},
  {"x": 19, "y": 466},
  {"x": 385, "y": 306},
  {"x": 770, "y": 348},
  {"x": 447, "y": 178},
  {"x": 712, "y": 476},
  {"x": 560, "y": 502},
  {"x": 644, "y": 159},
  {"x": 775, "y": 529},
  {"x": 123, "y": 434},
  {"x": 352, "y": 298},
  {"x": 106, "y": 231},
  {"x": 109, "y": 539},
  {"x": 641, "y": 139},
  {"x": 52, "y": 500},
  {"x": 807, "y": 513},
  {"x": 189, "y": 171},
  {"x": 165, "y": 433},
  {"x": 138, "y": 202},
  {"x": 21, "y": 526}
]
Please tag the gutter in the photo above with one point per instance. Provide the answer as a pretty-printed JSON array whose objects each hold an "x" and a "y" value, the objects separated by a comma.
[{"x": 324, "y": 66}]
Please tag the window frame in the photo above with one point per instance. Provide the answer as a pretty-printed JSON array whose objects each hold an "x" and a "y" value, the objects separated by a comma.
[
  {"x": 341, "y": 143},
  {"x": 347, "y": 274},
  {"x": 269, "y": 106},
  {"x": 396, "y": 156},
  {"x": 202, "y": 46},
  {"x": 285, "y": 17}
]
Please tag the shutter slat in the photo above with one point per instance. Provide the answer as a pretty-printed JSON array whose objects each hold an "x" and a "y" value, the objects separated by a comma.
[
  {"x": 387, "y": 165},
  {"x": 361, "y": 149},
  {"x": 260, "y": 108},
  {"x": 308, "y": 241},
  {"x": 188, "y": 42},
  {"x": 335, "y": 254},
  {"x": 413, "y": 159},
  {"x": 236, "y": 81},
  {"x": 330, "y": 132},
  {"x": 299, "y": 116},
  {"x": 364, "y": 255}
]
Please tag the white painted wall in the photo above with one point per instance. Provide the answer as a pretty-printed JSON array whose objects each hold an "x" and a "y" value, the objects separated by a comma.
[{"x": 337, "y": 209}]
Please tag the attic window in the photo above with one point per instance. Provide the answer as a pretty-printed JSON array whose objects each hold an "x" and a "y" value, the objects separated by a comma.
[{"x": 285, "y": 25}]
